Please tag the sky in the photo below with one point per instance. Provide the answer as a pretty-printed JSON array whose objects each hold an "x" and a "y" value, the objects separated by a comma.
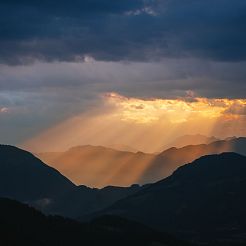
[{"x": 133, "y": 72}]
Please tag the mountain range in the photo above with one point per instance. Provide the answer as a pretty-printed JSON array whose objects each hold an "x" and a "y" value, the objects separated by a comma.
[
  {"x": 203, "y": 201},
  {"x": 26, "y": 178},
  {"x": 101, "y": 166},
  {"x": 185, "y": 140}
]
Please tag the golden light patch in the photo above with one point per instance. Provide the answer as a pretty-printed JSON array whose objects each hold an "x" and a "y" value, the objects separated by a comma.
[{"x": 173, "y": 110}]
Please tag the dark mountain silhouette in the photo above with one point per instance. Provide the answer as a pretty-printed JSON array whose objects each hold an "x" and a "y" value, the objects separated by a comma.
[
  {"x": 100, "y": 166},
  {"x": 203, "y": 201},
  {"x": 191, "y": 140},
  {"x": 25, "y": 178},
  {"x": 23, "y": 225},
  {"x": 230, "y": 138}
]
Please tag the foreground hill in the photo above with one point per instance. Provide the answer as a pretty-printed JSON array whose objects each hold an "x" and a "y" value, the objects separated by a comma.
[
  {"x": 203, "y": 201},
  {"x": 25, "y": 178},
  {"x": 100, "y": 166},
  {"x": 22, "y": 225}
]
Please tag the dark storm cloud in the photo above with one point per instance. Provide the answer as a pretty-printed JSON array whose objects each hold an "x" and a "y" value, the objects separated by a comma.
[{"x": 134, "y": 30}]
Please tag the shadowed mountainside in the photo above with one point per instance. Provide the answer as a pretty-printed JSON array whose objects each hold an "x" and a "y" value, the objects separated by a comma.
[
  {"x": 100, "y": 166},
  {"x": 203, "y": 201},
  {"x": 25, "y": 178},
  {"x": 22, "y": 225}
]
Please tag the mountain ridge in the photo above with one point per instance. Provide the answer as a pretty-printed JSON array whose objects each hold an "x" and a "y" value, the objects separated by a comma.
[
  {"x": 195, "y": 139},
  {"x": 202, "y": 201},
  {"x": 100, "y": 166},
  {"x": 27, "y": 179}
]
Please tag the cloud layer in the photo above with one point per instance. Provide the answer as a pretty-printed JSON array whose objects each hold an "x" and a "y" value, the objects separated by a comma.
[{"x": 132, "y": 30}]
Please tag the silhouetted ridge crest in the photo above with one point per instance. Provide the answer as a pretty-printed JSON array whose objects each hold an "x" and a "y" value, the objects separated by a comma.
[{"x": 213, "y": 165}]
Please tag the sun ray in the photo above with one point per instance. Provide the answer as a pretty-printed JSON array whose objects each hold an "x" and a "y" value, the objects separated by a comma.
[{"x": 145, "y": 124}]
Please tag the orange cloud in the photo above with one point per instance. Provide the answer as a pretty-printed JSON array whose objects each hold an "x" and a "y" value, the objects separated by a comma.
[{"x": 175, "y": 110}]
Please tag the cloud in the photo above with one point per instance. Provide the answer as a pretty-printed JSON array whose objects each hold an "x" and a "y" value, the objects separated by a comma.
[
  {"x": 4, "y": 110},
  {"x": 43, "y": 94},
  {"x": 237, "y": 109},
  {"x": 123, "y": 30},
  {"x": 169, "y": 78},
  {"x": 58, "y": 57},
  {"x": 179, "y": 109}
]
